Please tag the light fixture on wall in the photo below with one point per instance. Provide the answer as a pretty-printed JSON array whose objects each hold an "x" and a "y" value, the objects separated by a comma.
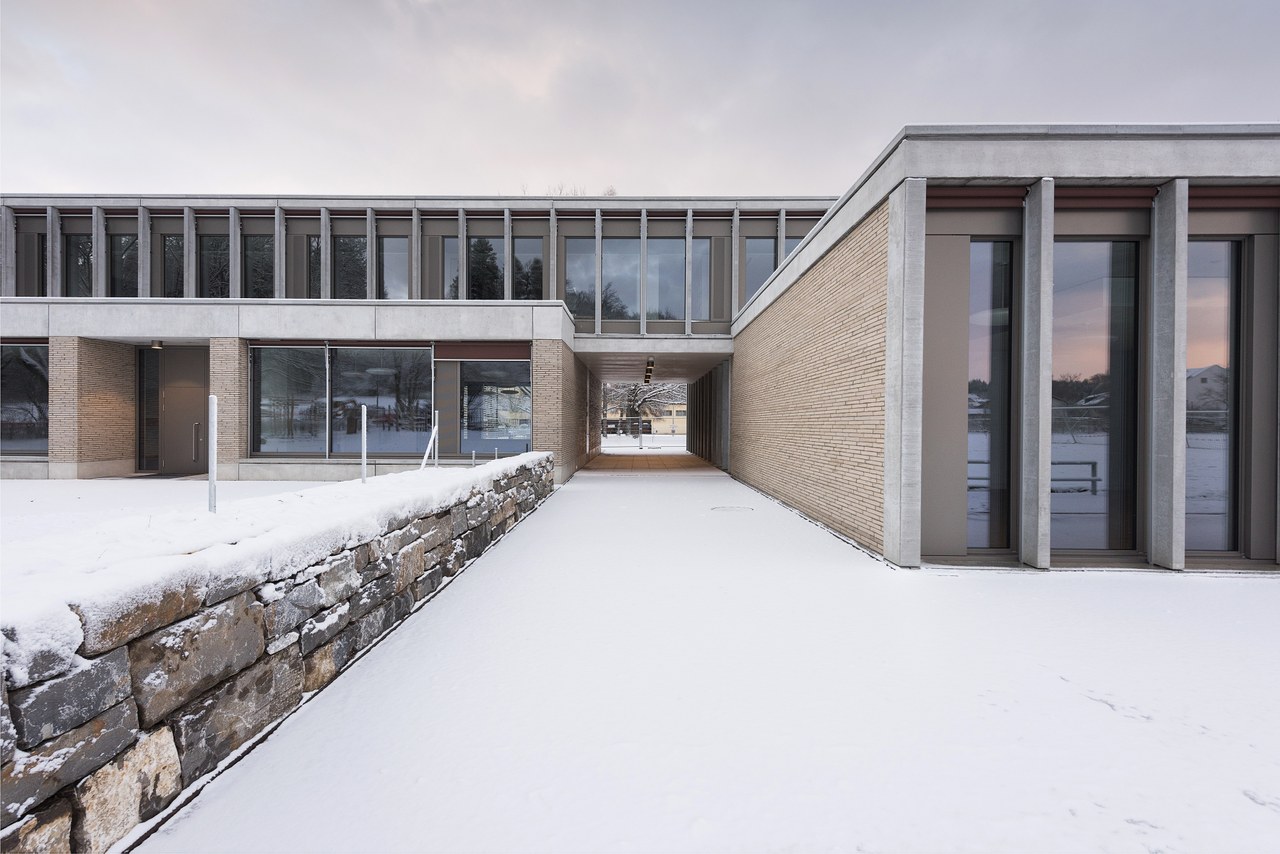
[{"x": 157, "y": 345}]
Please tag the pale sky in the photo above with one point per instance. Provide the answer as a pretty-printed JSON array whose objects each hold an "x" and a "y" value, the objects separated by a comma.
[{"x": 440, "y": 97}]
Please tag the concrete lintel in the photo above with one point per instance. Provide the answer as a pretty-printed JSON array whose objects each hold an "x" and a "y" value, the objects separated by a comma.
[
  {"x": 1036, "y": 417},
  {"x": 8, "y": 253},
  {"x": 904, "y": 373},
  {"x": 144, "y": 252},
  {"x": 1167, "y": 441},
  {"x": 24, "y": 319},
  {"x": 235, "y": 254},
  {"x": 99, "y": 250}
]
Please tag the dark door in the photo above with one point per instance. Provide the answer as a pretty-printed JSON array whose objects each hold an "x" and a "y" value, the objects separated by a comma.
[{"x": 184, "y": 407}]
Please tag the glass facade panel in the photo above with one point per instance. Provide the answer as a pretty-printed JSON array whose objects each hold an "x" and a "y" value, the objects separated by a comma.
[
  {"x": 486, "y": 266},
  {"x": 350, "y": 267},
  {"x": 172, "y": 266},
  {"x": 580, "y": 276},
  {"x": 496, "y": 407},
  {"x": 258, "y": 276},
  {"x": 700, "y": 283},
  {"x": 215, "y": 266},
  {"x": 289, "y": 401},
  {"x": 24, "y": 399},
  {"x": 122, "y": 266},
  {"x": 449, "y": 268},
  {"x": 990, "y": 357},
  {"x": 526, "y": 268},
  {"x": 665, "y": 273},
  {"x": 789, "y": 245},
  {"x": 1094, "y": 455},
  {"x": 77, "y": 265},
  {"x": 760, "y": 262},
  {"x": 393, "y": 268},
  {"x": 32, "y": 265},
  {"x": 1212, "y": 287},
  {"x": 315, "y": 266},
  {"x": 620, "y": 274},
  {"x": 395, "y": 385}
]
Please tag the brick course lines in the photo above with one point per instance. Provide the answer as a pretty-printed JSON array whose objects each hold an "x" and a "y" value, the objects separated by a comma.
[
  {"x": 229, "y": 380},
  {"x": 809, "y": 388},
  {"x": 92, "y": 400},
  {"x": 561, "y": 396}
]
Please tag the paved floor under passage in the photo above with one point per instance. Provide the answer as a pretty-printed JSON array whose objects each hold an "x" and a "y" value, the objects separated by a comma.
[{"x": 673, "y": 662}]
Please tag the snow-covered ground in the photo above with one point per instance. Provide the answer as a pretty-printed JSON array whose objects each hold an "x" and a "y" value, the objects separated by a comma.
[{"x": 675, "y": 663}]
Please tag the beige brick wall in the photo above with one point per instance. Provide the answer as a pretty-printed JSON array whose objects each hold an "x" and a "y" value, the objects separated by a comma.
[
  {"x": 229, "y": 380},
  {"x": 561, "y": 396},
  {"x": 809, "y": 388},
  {"x": 92, "y": 401}
]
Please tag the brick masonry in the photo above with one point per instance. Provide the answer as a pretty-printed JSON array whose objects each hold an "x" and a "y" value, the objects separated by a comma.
[
  {"x": 229, "y": 380},
  {"x": 562, "y": 398},
  {"x": 92, "y": 401},
  {"x": 808, "y": 410}
]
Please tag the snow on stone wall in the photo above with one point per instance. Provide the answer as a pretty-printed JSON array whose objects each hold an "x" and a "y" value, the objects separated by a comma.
[{"x": 139, "y": 656}]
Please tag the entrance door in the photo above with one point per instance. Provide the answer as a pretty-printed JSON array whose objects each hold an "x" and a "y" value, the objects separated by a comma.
[{"x": 184, "y": 408}]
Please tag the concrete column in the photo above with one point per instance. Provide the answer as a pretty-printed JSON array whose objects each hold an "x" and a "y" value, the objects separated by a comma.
[
  {"x": 508, "y": 254},
  {"x": 99, "y": 253},
  {"x": 189, "y": 289},
  {"x": 8, "y": 252},
  {"x": 644, "y": 270},
  {"x": 53, "y": 252},
  {"x": 279, "y": 250},
  {"x": 1036, "y": 409},
  {"x": 415, "y": 256},
  {"x": 688, "y": 272},
  {"x": 904, "y": 372},
  {"x": 735, "y": 233},
  {"x": 553, "y": 255},
  {"x": 782, "y": 236},
  {"x": 144, "y": 252},
  {"x": 599, "y": 265},
  {"x": 326, "y": 255},
  {"x": 371, "y": 254},
  {"x": 464, "y": 255},
  {"x": 1167, "y": 441},
  {"x": 235, "y": 252}
]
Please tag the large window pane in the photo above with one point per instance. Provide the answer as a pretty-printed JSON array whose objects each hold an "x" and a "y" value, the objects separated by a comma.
[
  {"x": 486, "y": 264},
  {"x": 123, "y": 265},
  {"x": 701, "y": 282},
  {"x": 790, "y": 245},
  {"x": 31, "y": 264},
  {"x": 173, "y": 266},
  {"x": 620, "y": 274},
  {"x": 526, "y": 270},
  {"x": 350, "y": 267},
  {"x": 496, "y": 407},
  {"x": 24, "y": 399},
  {"x": 77, "y": 265},
  {"x": 760, "y": 263},
  {"x": 449, "y": 268},
  {"x": 393, "y": 268},
  {"x": 315, "y": 264},
  {"x": 990, "y": 286},
  {"x": 580, "y": 276},
  {"x": 1094, "y": 462},
  {"x": 665, "y": 274},
  {"x": 395, "y": 385},
  {"x": 215, "y": 266},
  {"x": 259, "y": 266},
  {"x": 288, "y": 400},
  {"x": 1212, "y": 284}
]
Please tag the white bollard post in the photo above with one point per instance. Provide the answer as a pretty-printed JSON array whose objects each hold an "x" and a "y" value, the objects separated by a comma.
[
  {"x": 364, "y": 442},
  {"x": 435, "y": 422},
  {"x": 473, "y": 459},
  {"x": 495, "y": 455},
  {"x": 213, "y": 453}
]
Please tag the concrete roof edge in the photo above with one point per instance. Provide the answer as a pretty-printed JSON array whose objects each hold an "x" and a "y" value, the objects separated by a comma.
[{"x": 1228, "y": 130}]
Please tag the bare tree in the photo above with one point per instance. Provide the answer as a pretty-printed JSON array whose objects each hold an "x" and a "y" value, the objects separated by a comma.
[{"x": 641, "y": 400}]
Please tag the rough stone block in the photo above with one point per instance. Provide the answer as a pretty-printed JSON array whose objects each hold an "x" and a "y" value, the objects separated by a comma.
[
  {"x": 8, "y": 735},
  {"x": 455, "y": 560},
  {"x": 383, "y": 566},
  {"x": 33, "y": 777},
  {"x": 371, "y": 595},
  {"x": 375, "y": 624},
  {"x": 410, "y": 565},
  {"x": 477, "y": 540},
  {"x": 291, "y": 609},
  {"x": 437, "y": 530},
  {"x": 477, "y": 515},
  {"x": 321, "y": 666},
  {"x": 49, "y": 709},
  {"x": 104, "y": 630},
  {"x": 429, "y": 583},
  {"x": 182, "y": 661},
  {"x": 458, "y": 519},
  {"x": 324, "y": 626},
  {"x": 130, "y": 789},
  {"x": 340, "y": 579},
  {"x": 44, "y": 832},
  {"x": 360, "y": 557},
  {"x": 211, "y": 728}
]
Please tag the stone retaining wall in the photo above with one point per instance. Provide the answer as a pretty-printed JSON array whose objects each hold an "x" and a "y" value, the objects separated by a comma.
[{"x": 163, "y": 694}]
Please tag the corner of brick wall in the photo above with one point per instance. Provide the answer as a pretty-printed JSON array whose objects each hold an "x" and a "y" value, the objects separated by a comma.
[
  {"x": 229, "y": 381},
  {"x": 92, "y": 400}
]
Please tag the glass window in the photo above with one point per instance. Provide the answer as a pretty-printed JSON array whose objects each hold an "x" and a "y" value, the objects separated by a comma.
[
  {"x": 701, "y": 281},
  {"x": 24, "y": 399},
  {"x": 580, "y": 276},
  {"x": 395, "y": 385},
  {"x": 526, "y": 269},
  {"x": 990, "y": 357},
  {"x": 496, "y": 407},
  {"x": 215, "y": 266},
  {"x": 486, "y": 265},
  {"x": 393, "y": 268},
  {"x": 665, "y": 273},
  {"x": 350, "y": 267},
  {"x": 449, "y": 268},
  {"x": 1212, "y": 286},
  {"x": 760, "y": 263},
  {"x": 31, "y": 264},
  {"x": 620, "y": 275},
  {"x": 123, "y": 265},
  {"x": 1093, "y": 461},
  {"x": 315, "y": 266},
  {"x": 289, "y": 401},
  {"x": 77, "y": 265},
  {"x": 789, "y": 245},
  {"x": 173, "y": 266},
  {"x": 259, "y": 266}
]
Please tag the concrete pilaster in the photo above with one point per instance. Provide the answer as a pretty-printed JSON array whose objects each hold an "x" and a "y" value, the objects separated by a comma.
[
  {"x": 553, "y": 256},
  {"x": 599, "y": 266},
  {"x": 688, "y": 272},
  {"x": 415, "y": 256},
  {"x": 99, "y": 271},
  {"x": 235, "y": 250},
  {"x": 371, "y": 254},
  {"x": 189, "y": 250},
  {"x": 8, "y": 253},
  {"x": 644, "y": 270},
  {"x": 1037, "y": 376},
  {"x": 464, "y": 256},
  {"x": 782, "y": 236},
  {"x": 144, "y": 252},
  {"x": 508, "y": 254},
  {"x": 735, "y": 253},
  {"x": 1167, "y": 442},
  {"x": 53, "y": 252},
  {"x": 326, "y": 255},
  {"x": 280, "y": 251},
  {"x": 904, "y": 372}
]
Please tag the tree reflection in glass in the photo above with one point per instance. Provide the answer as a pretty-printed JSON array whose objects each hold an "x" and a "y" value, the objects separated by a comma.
[
  {"x": 395, "y": 385},
  {"x": 486, "y": 268},
  {"x": 496, "y": 407}
]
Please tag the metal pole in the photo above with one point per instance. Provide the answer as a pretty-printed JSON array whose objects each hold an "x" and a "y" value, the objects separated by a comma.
[
  {"x": 435, "y": 425},
  {"x": 473, "y": 458},
  {"x": 364, "y": 442},
  {"x": 213, "y": 453}
]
